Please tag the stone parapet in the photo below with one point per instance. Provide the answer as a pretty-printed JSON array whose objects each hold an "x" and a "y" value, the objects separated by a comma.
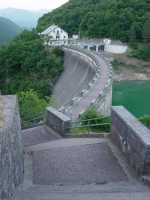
[
  {"x": 11, "y": 149},
  {"x": 57, "y": 121},
  {"x": 132, "y": 138}
]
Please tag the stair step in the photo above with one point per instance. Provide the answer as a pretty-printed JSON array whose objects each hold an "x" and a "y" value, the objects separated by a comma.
[
  {"x": 63, "y": 143},
  {"x": 90, "y": 192},
  {"x": 39, "y": 134}
]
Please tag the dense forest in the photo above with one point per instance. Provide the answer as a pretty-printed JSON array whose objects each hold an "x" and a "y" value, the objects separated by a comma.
[
  {"x": 25, "y": 65},
  {"x": 116, "y": 19},
  {"x": 8, "y": 30}
]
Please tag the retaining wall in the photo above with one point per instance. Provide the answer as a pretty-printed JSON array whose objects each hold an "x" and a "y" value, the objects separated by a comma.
[
  {"x": 132, "y": 138},
  {"x": 11, "y": 149},
  {"x": 115, "y": 48}
]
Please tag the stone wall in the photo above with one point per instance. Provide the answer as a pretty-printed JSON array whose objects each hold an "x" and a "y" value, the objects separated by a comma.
[
  {"x": 11, "y": 149},
  {"x": 132, "y": 138},
  {"x": 57, "y": 121}
]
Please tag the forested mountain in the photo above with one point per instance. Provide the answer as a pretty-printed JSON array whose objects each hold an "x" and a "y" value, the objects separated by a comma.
[
  {"x": 115, "y": 19},
  {"x": 8, "y": 30},
  {"x": 23, "y": 18},
  {"x": 25, "y": 65}
]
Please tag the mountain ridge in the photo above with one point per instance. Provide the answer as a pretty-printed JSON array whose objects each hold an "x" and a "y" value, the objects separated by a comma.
[
  {"x": 22, "y": 17},
  {"x": 8, "y": 30},
  {"x": 99, "y": 18}
]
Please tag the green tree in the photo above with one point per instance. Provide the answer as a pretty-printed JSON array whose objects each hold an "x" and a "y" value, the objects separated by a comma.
[
  {"x": 30, "y": 103},
  {"x": 132, "y": 36},
  {"x": 25, "y": 65},
  {"x": 145, "y": 119},
  {"x": 146, "y": 31},
  {"x": 91, "y": 114},
  {"x": 52, "y": 101}
]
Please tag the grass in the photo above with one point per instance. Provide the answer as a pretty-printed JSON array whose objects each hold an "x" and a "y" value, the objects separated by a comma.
[{"x": 85, "y": 130}]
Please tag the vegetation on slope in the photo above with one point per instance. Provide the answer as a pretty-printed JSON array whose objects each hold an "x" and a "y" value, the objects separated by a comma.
[
  {"x": 25, "y": 65},
  {"x": 115, "y": 19},
  {"x": 8, "y": 30}
]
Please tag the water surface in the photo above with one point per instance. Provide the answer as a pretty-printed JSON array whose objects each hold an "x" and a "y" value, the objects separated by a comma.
[{"x": 134, "y": 96}]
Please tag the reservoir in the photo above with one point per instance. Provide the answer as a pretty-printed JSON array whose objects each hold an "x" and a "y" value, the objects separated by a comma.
[{"x": 134, "y": 96}]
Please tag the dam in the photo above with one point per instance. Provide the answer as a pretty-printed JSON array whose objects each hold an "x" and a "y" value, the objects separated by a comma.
[
  {"x": 41, "y": 163},
  {"x": 85, "y": 83}
]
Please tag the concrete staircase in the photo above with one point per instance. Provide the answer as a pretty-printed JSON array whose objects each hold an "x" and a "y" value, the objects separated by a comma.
[
  {"x": 87, "y": 192},
  {"x": 76, "y": 169}
]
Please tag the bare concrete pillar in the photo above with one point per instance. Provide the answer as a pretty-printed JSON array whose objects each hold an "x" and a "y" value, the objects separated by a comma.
[{"x": 97, "y": 48}]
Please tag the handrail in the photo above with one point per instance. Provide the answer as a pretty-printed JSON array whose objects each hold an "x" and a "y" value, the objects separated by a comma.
[
  {"x": 105, "y": 125},
  {"x": 107, "y": 89},
  {"x": 68, "y": 103},
  {"x": 91, "y": 125},
  {"x": 90, "y": 120},
  {"x": 33, "y": 120}
]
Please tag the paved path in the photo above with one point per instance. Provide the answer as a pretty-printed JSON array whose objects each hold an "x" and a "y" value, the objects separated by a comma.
[
  {"x": 85, "y": 102},
  {"x": 77, "y": 169}
]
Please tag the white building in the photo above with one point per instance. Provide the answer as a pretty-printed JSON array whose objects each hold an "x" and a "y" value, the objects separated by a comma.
[
  {"x": 75, "y": 36},
  {"x": 54, "y": 35}
]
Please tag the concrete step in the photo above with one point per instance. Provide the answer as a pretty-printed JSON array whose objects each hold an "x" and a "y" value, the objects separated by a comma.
[
  {"x": 39, "y": 134},
  {"x": 63, "y": 143},
  {"x": 74, "y": 161},
  {"x": 87, "y": 192},
  {"x": 78, "y": 169}
]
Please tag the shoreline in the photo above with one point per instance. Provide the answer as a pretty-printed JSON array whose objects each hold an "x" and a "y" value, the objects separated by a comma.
[{"x": 135, "y": 77}]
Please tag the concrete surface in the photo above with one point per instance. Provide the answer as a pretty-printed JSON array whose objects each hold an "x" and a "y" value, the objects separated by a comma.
[{"x": 77, "y": 169}]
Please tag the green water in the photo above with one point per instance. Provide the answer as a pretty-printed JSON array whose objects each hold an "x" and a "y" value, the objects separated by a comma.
[{"x": 134, "y": 96}]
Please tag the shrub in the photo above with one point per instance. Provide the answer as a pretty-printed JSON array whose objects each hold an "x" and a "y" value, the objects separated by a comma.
[{"x": 95, "y": 114}]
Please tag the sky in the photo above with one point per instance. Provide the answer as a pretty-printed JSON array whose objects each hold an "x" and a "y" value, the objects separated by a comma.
[{"x": 32, "y": 5}]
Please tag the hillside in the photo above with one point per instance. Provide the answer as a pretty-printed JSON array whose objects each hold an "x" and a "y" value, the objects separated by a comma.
[
  {"x": 23, "y": 18},
  {"x": 99, "y": 18},
  {"x": 8, "y": 30},
  {"x": 25, "y": 65}
]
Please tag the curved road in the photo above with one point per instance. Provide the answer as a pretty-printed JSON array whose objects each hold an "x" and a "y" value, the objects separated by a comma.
[{"x": 85, "y": 102}]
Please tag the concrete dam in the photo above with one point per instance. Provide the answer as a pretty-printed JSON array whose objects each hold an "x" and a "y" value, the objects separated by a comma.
[{"x": 85, "y": 83}]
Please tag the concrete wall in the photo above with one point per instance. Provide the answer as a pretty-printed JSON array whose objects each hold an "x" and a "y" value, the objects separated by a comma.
[
  {"x": 115, "y": 48},
  {"x": 132, "y": 138},
  {"x": 57, "y": 121},
  {"x": 11, "y": 149},
  {"x": 79, "y": 69}
]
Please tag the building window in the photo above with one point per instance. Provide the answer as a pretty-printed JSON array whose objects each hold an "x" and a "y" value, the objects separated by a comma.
[
  {"x": 61, "y": 31},
  {"x": 53, "y": 31},
  {"x": 64, "y": 36},
  {"x": 64, "y": 42},
  {"x": 50, "y": 42},
  {"x": 57, "y": 32}
]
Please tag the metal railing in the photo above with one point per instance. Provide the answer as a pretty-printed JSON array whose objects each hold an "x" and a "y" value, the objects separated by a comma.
[
  {"x": 92, "y": 123},
  {"x": 106, "y": 90},
  {"x": 32, "y": 120}
]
